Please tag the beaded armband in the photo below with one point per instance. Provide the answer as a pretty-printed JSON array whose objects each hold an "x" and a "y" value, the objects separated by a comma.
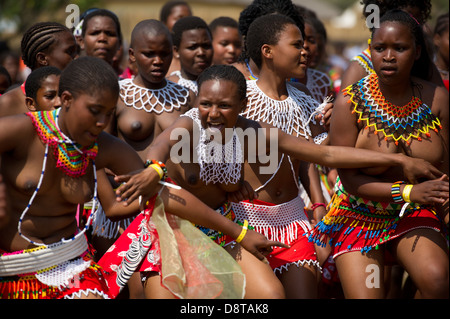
[
  {"x": 158, "y": 167},
  {"x": 395, "y": 192}
]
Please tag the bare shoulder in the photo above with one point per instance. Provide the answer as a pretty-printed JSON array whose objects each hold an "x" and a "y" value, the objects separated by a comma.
[{"x": 12, "y": 102}]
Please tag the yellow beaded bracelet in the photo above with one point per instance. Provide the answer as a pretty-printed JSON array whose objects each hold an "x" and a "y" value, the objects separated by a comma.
[
  {"x": 406, "y": 194},
  {"x": 243, "y": 232}
]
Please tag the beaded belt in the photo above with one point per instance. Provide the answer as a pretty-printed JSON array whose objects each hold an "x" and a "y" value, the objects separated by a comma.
[{"x": 34, "y": 259}]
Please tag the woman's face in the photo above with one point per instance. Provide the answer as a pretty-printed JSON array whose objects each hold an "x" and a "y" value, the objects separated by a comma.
[
  {"x": 152, "y": 55},
  {"x": 101, "y": 38},
  {"x": 289, "y": 55},
  {"x": 176, "y": 14},
  {"x": 393, "y": 51},
  {"x": 47, "y": 98},
  {"x": 195, "y": 52},
  {"x": 219, "y": 105},
  {"x": 311, "y": 45},
  {"x": 227, "y": 44},
  {"x": 87, "y": 115},
  {"x": 62, "y": 51}
]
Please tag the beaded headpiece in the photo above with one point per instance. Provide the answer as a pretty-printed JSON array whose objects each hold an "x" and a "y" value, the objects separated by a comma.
[
  {"x": 396, "y": 122},
  {"x": 71, "y": 157}
]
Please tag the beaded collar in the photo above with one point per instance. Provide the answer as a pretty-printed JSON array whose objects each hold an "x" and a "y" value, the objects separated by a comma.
[
  {"x": 71, "y": 157},
  {"x": 219, "y": 163},
  {"x": 395, "y": 122},
  {"x": 171, "y": 96},
  {"x": 192, "y": 85},
  {"x": 364, "y": 59}
]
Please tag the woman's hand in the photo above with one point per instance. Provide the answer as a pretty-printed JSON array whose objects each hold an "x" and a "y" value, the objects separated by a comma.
[
  {"x": 142, "y": 184},
  {"x": 417, "y": 168},
  {"x": 259, "y": 245},
  {"x": 245, "y": 192},
  {"x": 431, "y": 192}
]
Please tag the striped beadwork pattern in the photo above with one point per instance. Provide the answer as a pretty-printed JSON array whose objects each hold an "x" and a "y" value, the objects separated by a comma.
[
  {"x": 70, "y": 157},
  {"x": 411, "y": 121}
]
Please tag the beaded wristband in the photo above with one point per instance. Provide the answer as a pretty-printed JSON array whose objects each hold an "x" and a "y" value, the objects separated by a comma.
[
  {"x": 158, "y": 170},
  {"x": 160, "y": 165},
  {"x": 243, "y": 232},
  {"x": 406, "y": 195},
  {"x": 314, "y": 206},
  {"x": 395, "y": 192}
]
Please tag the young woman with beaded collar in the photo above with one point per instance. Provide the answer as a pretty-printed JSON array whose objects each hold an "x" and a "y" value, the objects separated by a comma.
[
  {"x": 221, "y": 98},
  {"x": 192, "y": 42},
  {"x": 378, "y": 216},
  {"x": 49, "y": 161},
  {"x": 44, "y": 43}
]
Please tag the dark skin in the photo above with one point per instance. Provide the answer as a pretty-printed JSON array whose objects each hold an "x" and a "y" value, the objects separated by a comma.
[
  {"x": 59, "y": 54},
  {"x": 394, "y": 46}
]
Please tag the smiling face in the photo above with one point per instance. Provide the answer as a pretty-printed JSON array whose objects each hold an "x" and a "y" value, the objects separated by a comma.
[
  {"x": 101, "y": 38},
  {"x": 152, "y": 55},
  {"x": 227, "y": 44},
  {"x": 195, "y": 52},
  {"x": 219, "y": 105},
  {"x": 289, "y": 56},
  {"x": 393, "y": 51},
  {"x": 85, "y": 116}
]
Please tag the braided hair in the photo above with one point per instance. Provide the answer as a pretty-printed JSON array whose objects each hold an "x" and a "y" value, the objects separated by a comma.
[{"x": 39, "y": 38}]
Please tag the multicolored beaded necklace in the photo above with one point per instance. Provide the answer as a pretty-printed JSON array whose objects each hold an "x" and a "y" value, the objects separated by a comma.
[
  {"x": 70, "y": 157},
  {"x": 395, "y": 122}
]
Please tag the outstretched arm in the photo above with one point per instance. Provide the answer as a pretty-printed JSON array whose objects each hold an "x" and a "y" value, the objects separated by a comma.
[{"x": 187, "y": 206}]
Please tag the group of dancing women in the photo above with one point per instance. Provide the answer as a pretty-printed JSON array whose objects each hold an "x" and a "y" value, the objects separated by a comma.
[{"x": 222, "y": 163}]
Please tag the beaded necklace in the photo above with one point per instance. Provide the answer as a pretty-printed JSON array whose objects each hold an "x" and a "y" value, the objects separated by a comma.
[
  {"x": 71, "y": 157},
  {"x": 166, "y": 99},
  {"x": 44, "y": 122},
  {"x": 396, "y": 122}
]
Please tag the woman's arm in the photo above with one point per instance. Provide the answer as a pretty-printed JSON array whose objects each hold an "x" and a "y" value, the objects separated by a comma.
[{"x": 187, "y": 206}]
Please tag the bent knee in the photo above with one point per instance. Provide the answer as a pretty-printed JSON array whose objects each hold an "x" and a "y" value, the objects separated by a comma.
[{"x": 434, "y": 282}]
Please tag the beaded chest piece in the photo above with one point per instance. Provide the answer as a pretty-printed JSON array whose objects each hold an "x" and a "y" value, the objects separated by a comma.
[
  {"x": 70, "y": 156},
  {"x": 411, "y": 121}
]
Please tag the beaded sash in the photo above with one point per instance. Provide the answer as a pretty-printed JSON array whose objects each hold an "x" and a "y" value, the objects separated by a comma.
[
  {"x": 395, "y": 122},
  {"x": 171, "y": 96}
]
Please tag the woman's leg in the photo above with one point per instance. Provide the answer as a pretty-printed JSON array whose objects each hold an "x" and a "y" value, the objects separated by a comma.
[
  {"x": 261, "y": 282},
  {"x": 153, "y": 289},
  {"x": 424, "y": 255},
  {"x": 299, "y": 282},
  {"x": 362, "y": 275}
]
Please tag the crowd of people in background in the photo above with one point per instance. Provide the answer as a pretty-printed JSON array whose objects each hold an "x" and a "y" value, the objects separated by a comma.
[{"x": 95, "y": 201}]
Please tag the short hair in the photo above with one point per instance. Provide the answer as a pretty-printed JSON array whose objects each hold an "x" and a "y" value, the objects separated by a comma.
[
  {"x": 166, "y": 10},
  {"x": 442, "y": 24},
  {"x": 259, "y": 8},
  {"x": 223, "y": 22},
  {"x": 38, "y": 38},
  {"x": 224, "y": 72},
  {"x": 386, "y": 5},
  {"x": 265, "y": 30},
  {"x": 186, "y": 24},
  {"x": 423, "y": 66},
  {"x": 35, "y": 79},
  {"x": 103, "y": 13},
  {"x": 88, "y": 75},
  {"x": 150, "y": 25}
]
